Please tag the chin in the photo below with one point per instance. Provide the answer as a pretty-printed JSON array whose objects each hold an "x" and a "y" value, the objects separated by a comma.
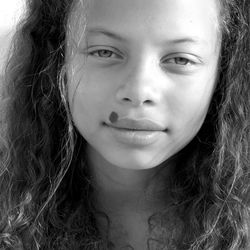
[{"x": 134, "y": 163}]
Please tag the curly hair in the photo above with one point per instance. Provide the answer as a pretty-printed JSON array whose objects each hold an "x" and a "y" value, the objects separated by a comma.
[{"x": 46, "y": 191}]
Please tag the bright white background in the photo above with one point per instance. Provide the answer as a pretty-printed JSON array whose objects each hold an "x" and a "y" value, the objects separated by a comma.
[{"x": 10, "y": 13}]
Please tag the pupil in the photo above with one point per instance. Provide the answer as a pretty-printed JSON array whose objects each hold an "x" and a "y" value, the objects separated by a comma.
[
  {"x": 181, "y": 61},
  {"x": 105, "y": 53}
]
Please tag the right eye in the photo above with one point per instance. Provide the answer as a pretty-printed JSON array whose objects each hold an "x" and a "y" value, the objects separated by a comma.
[{"x": 104, "y": 53}]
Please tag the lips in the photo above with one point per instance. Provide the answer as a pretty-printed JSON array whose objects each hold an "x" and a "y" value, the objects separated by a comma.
[
  {"x": 137, "y": 125},
  {"x": 137, "y": 133}
]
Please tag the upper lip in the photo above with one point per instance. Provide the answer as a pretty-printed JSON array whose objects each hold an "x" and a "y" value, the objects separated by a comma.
[{"x": 141, "y": 124}]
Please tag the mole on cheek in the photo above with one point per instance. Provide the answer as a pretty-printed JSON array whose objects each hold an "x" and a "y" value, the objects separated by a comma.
[{"x": 113, "y": 117}]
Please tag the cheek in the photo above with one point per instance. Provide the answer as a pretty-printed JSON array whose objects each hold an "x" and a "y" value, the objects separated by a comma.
[
  {"x": 88, "y": 97},
  {"x": 193, "y": 108},
  {"x": 82, "y": 111},
  {"x": 190, "y": 104},
  {"x": 87, "y": 83},
  {"x": 81, "y": 87},
  {"x": 79, "y": 96}
]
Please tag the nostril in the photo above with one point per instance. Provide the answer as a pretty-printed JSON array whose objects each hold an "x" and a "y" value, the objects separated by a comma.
[
  {"x": 148, "y": 102},
  {"x": 126, "y": 99}
]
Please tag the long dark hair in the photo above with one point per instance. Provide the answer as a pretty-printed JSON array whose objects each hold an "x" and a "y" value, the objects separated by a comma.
[{"x": 45, "y": 198}]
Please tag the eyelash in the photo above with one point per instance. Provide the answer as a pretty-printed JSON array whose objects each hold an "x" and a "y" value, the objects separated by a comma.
[
  {"x": 183, "y": 61},
  {"x": 178, "y": 60},
  {"x": 96, "y": 53}
]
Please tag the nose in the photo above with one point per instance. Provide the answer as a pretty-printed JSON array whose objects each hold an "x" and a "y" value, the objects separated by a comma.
[{"x": 140, "y": 86}]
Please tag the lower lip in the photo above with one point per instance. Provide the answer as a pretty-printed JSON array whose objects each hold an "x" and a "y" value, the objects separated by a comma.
[{"x": 135, "y": 137}]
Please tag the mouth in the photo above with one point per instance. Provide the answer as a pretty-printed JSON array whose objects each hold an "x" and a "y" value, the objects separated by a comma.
[
  {"x": 136, "y": 125},
  {"x": 136, "y": 133}
]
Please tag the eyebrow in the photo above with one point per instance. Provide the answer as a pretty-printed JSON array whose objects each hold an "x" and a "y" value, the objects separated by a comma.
[
  {"x": 97, "y": 31},
  {"x": 113, "y": 35}
]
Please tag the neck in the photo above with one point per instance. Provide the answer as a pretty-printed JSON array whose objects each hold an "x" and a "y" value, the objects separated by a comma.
[{"x": 120, "y": 189}]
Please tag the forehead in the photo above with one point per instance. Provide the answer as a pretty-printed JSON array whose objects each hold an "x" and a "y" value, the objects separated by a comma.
[{"x": 155, "y": 19}]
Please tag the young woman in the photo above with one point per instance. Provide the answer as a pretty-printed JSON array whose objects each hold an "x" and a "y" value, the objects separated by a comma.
[{"x": 127, "y": 126}]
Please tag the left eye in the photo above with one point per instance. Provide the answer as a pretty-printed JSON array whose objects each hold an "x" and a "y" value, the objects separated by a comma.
[
  {"x": 179, "y": 61},
  {"x": 104, "y": 53}
]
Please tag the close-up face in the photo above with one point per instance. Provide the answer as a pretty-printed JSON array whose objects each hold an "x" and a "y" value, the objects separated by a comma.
[{"x": 152, "y": 65}]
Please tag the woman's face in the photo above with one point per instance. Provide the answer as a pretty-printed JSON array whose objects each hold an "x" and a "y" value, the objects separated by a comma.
[{"x": 154, "y": 63}]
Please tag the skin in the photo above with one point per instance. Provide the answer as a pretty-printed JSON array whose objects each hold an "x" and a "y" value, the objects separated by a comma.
[{"x": 160, "y": 63}]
